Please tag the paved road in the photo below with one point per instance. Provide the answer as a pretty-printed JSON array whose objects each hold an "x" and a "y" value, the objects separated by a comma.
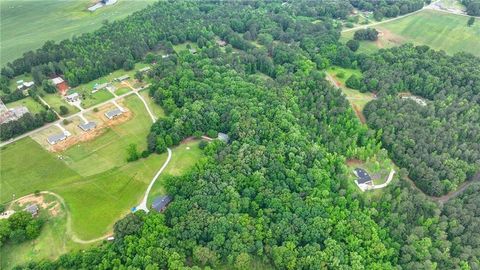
[{"x": 69, "y": 117}]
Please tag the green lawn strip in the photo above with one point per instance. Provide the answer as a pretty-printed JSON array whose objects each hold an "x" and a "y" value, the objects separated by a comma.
[
  {"x": 182, "y": 47},
  {"x": 52, "y": 20},
  {"x": 100, "y": 200},
  {"x": 439, "y": 30},
  {"x": 55, "y": 101},
  {"x": 89, "y": 99},
  {"x": 32, "y": 105},
  {"x": 182, "y": 160},
  {"x": 123, "y": 90},
  {"x": 157, "y": 109}
]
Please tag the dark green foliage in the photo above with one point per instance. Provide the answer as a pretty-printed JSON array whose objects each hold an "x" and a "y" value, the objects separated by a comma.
[
  {"x": 472, "y": 6},
  {"x": 25, "y": 123},
  {"x": 129, "y": 225},
  {"x": 353, "y": 45},
  {"x": 132, "y": 153},
  {"x": 353, "y": 82},
  {"x": 63, "y": 110},
  {"x": 438, "y": 143},
  {"x": 366, "y": 34},
  {"x": 19, "y": 227},
  {"x": 389, "y": 8},
  {"x": 48, "y": 86},
  {"x": 471, "y": 21}
]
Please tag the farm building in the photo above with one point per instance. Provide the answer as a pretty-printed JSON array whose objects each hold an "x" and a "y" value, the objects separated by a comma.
[
  {"x": 7, "y": 115},
  {"x": 87, "y": 126},
  {"x": 61, "y": 85},
  {"x": 24, "y": 85},
  {"x": 223, "y": 137},
  {"x": 122, "y": 78},
  {"x": 72, "y": 97},
  {"x": 56, "y": 138},
  {"x": 32, "y": 209},
  {"x": 161, "y": 202},
  {"x": 113, "y": 113},
  {"x": 363, "y": 181},
  {"x": 98, "y": 87}
]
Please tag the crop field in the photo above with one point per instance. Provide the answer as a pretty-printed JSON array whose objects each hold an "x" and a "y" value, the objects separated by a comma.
[
  {"x": 33, "y": 106},
  {"x": 184, "y": 157},
  {"x": 438, "y": 30},
  {"x": 52, "y": 20},
  {"x": 93, "y": 177}
]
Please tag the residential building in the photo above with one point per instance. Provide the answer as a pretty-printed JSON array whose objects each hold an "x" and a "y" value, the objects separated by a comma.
[
  {"x": 87, "y": 126},
  {"x": 113, "y": 113},
  {"x": 160, "y": 203},
  {"x": 72, "y": 97}
]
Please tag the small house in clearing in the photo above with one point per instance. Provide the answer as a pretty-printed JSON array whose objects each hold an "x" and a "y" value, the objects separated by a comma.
[
  {"x": 72, "y": 97},
  {"x": 145, "y": 69},
  {"x": 192, "y": 50},
  {"x": 363, "y": 181},
  {"x": 221, "y": 43},
  {"x": 32, "y": 209},
  {"x": 161, "y": 202},
  {"x": 223, "y": 137},
  {"x": 113, "y": 113},
  {"x": 24, "y": 85},
  {"x": 87, "y": 126},
  {"x": 100, "y": 86}
]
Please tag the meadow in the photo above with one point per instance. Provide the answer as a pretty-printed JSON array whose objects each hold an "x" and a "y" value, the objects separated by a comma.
[
  {"x": 438, "y": 30},
  {"x": 52, "y": 20},
  {"x": 33, "y": 106}
]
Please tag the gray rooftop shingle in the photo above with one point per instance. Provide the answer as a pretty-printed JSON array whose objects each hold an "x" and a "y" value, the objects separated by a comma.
[
  {"x": 87, "y": 126},
  {"x": 113, "y": 113}
]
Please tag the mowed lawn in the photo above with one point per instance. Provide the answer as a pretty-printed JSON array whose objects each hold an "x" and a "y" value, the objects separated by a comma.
[
  {"x": 95, "y": 180},
  {"x": 184, "y": 157},
  {"x": 45, "y": 20},
  {"x": 439, "y": 30},
  {"x": 32, "y": 106}
]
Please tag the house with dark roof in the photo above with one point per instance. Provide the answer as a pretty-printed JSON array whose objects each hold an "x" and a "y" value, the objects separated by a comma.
[
  {"x": 363, "y": 181},
  {"x": 113, "y": 113},
  {"x": 161, "y": 202},
  {"x": 87, "y": 126}
]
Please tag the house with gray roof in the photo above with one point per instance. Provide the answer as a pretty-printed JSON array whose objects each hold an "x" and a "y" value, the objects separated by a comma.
[
  {"x": 32, "y": 209},
  {"x": 223, "y": 137},
  {"x": 161, "y": 202},
  {"x": 87, "y": 126},
  {"x": 113, "y": 113},
  {"x": 122, "y": 78},
  {"x": 56, "y": 138}
]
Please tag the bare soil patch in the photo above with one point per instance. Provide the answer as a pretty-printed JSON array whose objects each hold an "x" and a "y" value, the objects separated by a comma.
[
  {"x": 53, "y": 207},
  {"x": 359, "y": 113},
  {"x": 354, "y": 161}
]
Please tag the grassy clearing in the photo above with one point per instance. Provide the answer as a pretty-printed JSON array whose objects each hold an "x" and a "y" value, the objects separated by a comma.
[
  {"x": 90, "y": 100},
  {"x": 52, "y": 20},
  {"x": 378, "y": 167},
  {"x": 184, "y": 157},
  {"x": 55, "y": 101},
  {"x": 33, "y": 106},
  {"x": 436, "y": 29},
  {"x": 157, "y": 109},
  {"x": 356, "y": 98},
  {"x": 93, "y": 177},
  {"x": 52, "y": 242},
  {"x": 182, "y": 47}
]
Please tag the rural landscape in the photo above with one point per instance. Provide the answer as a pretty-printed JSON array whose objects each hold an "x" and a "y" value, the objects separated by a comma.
[{"x": 257, "y": 134}]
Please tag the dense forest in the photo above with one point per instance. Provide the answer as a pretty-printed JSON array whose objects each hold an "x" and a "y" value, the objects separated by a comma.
[
  {"x": 278, "y": 194},
  {"x": 389, "y": 8},
  {"x": 472, "y": 6},
  {"x": 438, "y": 142}
]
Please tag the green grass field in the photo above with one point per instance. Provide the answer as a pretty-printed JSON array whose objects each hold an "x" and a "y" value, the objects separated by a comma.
[
  {"x": 30, "y": 103},
  {"x": 52, "y": 20},
  {"x": 52, "y": 242},
  {"x": 184, "y": 157},
  {"x": 436, "y": 29},
  {"x": 93, "y": 177},
  {"x": 55, "y": 101}
]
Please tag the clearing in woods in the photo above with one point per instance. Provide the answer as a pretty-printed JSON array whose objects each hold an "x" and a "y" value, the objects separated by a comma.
[
  {"x": 439, "y": 30},
  {"x": 338, "y": 76},
  {"x": 52, "y": 20}
]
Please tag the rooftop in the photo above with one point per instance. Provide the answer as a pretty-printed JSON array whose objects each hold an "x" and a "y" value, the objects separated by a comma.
[
  {"x": 115, "y": 112},
  {"x": 32, "y": 209},
  {"x": 159, "y": 203},
  {"x": 363, "y": 176},
  {"x": 53, "y": 139},
  {"x": 57, "y": 80},
  {"x": 88, "y": 126}
]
